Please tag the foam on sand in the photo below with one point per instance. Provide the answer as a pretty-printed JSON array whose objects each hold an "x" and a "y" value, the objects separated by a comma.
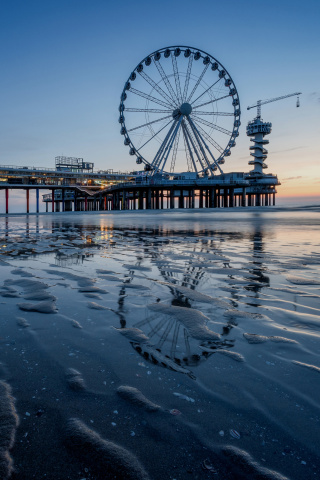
[
  {"x": 105, "y": 458},
  {"x": 228, "y": 353},
  {"x": 195, "y": 295},
  {"x": 96, "y": 306},
  {"x": 247, "y": 466},
  {"x": 75, "y": 380},
  {"x": 254, "y": 338},
  {"x": 46, "y": 306},
  {"x": 8, "y": 424},
  {"x": 22, "y": 322},
  {"x": 133, "y": 334},
  {"x": 194, "y": 320},
  {"x": 297, "y": 280},
  {"x": 307, "y": 365},
  {"x": 134, "y": 396}
]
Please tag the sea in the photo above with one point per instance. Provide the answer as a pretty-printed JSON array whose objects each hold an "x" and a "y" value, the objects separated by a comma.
[{"x": 161, "y": 345}]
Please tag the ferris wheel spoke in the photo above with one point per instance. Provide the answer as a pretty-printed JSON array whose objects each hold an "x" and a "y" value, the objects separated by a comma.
[
  {"x": 224, "y": 114},
  {"x": 206, "y": 146},
  {"x": 154, "y": 163},
  {"x": 166, "y": 81},
  {"x": 186, "y": 83},
  {"x": 189, "y": 149},
  {"x": 213, "y": 125},
  {"x": 198, "y": 82},
  {"x": 176, "y": 76},
  {"x": 209, "y": 88},
  {"x": 150, "y": 97},
  {"x": 166, "y": 153},
  {"x": 211, "y": 101},
  {"x": 201, "y": 144},
  {"x": 210, "y": 139},
  {"x": 189, "y": 161},
  {"x": 195, "y": 149},
  {"x": 148, "y": 123},
  {"x": 175, "y": 149},
  {"x": 157, "y": 88},
  {"x": 153, "y": 136},
  {"x": 148, "y": 110}
]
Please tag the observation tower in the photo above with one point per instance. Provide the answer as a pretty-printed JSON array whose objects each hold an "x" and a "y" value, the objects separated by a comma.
[{"x": 258, "y": 130}]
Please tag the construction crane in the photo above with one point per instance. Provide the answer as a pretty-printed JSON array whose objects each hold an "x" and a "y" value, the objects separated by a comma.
[{"x": 263, "y": 102}]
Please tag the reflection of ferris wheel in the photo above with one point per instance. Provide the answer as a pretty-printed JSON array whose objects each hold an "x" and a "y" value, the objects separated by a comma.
[{"x": 180, "y": 111}]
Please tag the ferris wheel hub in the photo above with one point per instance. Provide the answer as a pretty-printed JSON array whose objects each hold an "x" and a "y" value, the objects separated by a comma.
[{"x": 185, "y": 109}]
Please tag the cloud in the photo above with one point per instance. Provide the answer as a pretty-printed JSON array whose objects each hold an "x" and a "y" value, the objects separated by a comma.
[
  {"x": 291, "y": 178},
  {"x": 315, "y": 96},
  {"x": 287, "y": 150}
]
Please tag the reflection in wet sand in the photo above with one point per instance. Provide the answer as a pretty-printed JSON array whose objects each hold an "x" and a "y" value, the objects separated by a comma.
[{"x": 214, "y": 325}]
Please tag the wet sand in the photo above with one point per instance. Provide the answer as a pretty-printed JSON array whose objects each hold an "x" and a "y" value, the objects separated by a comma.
[{"x": 160, "y": 345}]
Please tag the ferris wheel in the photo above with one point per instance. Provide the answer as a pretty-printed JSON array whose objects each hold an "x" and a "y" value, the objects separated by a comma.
[{"x": 180, "y": 111}]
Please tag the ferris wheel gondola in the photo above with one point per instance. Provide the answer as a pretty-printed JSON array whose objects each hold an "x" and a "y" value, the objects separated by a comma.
[{"x": 180, "y": 111}]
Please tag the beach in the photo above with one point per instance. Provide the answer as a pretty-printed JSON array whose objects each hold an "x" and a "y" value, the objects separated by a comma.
[{"x": 160, "y": 345}]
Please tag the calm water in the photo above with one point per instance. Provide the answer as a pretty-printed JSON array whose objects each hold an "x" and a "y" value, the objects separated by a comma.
[{"x": 212, "y": 314}]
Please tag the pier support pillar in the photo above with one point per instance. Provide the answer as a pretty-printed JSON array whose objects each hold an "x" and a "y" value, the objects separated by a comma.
[
  {"x": 200, "y": 198},
  {"x": 37, "y": 200},
  {"x": 211, "y": 197},
  {"x": 181, "y": 199},
  {"x": 86, "y": 203},
  {"x": 63, "y": 200},
  {"x": 274, "y": 198},
  {"x": 52, "y": 199},
  {"x": 192, "y": 198},
  {"x": 266, "y": 199},
  {"x": 249, "y": 199},
  {"x": 243, "y": 200},
  {"x": 7, "y": 200},
  {"x": 231, "y": 197},
  {"x": 27, "y": 198},
  {"x": 157, "y": 194},
  {"x": 225, "y": 197},
  {"x": 258, "y": 200},
  {"x": 171, "y": 198},
  {"x": 140, "y": 200},
  {"x": 57, "y": 206},
  {"x": 148, "y": 203}
]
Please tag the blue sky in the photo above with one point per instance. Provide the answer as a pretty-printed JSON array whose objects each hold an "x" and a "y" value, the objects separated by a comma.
[{"x": 64, "y": 64}]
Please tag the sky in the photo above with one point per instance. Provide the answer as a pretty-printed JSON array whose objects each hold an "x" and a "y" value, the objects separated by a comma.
[{"x": 65, "y": 63}]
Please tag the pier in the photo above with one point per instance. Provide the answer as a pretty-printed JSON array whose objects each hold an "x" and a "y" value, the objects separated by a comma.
[{"x": 107, "y": 191}]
